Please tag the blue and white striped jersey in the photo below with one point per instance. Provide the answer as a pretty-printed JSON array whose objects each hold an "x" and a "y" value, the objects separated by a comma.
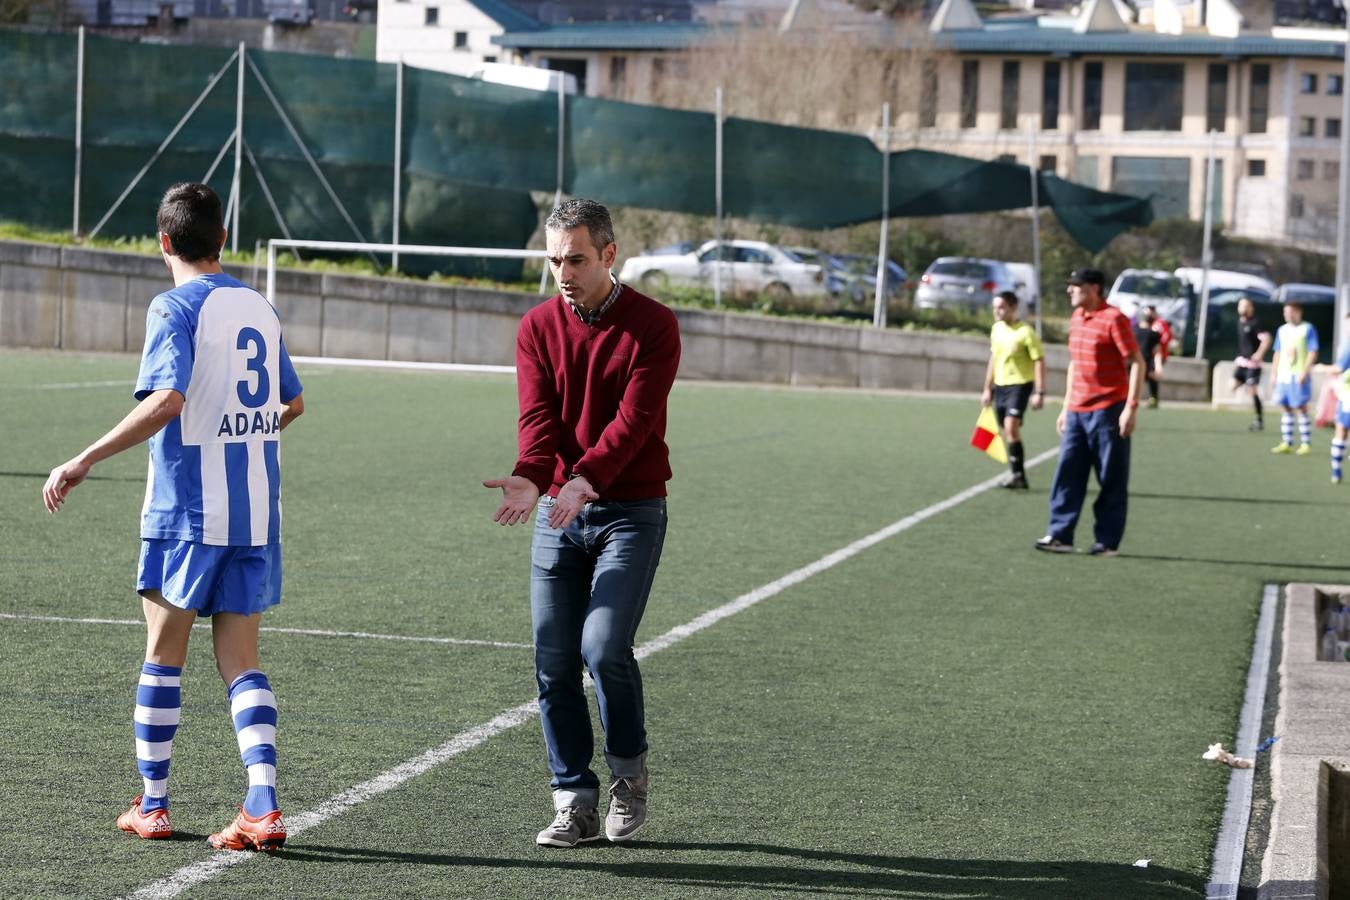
[{"x": 215, "y": 471}]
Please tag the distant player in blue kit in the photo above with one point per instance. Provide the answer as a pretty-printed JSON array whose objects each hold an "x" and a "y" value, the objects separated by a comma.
[
  {"x": 1342, "y": 414},
  {"x": 1295, "y": 354},
  {"x": 216, "y": 387}
]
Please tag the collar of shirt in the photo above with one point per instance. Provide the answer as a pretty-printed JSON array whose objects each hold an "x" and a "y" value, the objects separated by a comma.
[{"x": 590, "y": 318}]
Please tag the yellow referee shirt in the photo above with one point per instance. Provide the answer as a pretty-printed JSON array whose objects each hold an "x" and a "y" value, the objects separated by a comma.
[{"x": 1015, "y": 348}]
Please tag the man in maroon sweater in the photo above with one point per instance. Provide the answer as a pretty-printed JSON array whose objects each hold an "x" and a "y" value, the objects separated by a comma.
[{"x": 594, "y": 366}]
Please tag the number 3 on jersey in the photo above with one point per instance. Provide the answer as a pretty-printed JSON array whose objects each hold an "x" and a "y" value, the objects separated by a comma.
[{"x": 252, "y": 339}]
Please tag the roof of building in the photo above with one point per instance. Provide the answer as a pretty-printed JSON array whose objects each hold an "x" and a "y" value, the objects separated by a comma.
[
  {"x": 506, "y": 15},
  {"x": 1033, "y": 35},
  {"x": 1029, "y": 38},
  {"x": 607, "y": 36}
]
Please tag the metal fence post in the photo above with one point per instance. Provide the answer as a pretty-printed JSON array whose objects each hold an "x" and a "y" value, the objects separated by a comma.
[
  {"x": 398, "y": 153},
  {"x": 879, "y": 310},
  {"x": 79, "y": 128},
  {"x": 235, "y": 186}
]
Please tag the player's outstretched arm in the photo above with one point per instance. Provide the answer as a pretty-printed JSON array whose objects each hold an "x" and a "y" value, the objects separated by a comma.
[
  {"x": 519, "y": 495},
  {"x": 147, "y": 418}
]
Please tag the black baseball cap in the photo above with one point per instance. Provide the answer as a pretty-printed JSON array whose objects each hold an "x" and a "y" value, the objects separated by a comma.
[{"x": 1087, "y": 276}]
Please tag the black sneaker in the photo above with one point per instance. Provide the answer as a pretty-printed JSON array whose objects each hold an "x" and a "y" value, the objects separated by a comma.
[
  {"x": 1016, "y": 483},
  {"x": 1100, "y": 549},
  {"x": 1050, "y": 544}
]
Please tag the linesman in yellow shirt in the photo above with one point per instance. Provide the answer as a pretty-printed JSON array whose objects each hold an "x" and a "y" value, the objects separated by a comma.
[{"x": 1014, "y": 378}]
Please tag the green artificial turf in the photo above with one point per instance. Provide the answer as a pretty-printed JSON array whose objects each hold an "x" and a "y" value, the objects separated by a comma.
[{"x": 945, "y": 714}]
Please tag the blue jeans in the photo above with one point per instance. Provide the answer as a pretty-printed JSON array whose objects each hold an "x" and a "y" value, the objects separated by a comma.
[
  {"x": 588, "y": 588},
  {"x": 1091, "y": 442}
]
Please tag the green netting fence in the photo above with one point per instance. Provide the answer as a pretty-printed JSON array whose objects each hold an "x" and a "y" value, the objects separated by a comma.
[{"x": 471, "y": 153}]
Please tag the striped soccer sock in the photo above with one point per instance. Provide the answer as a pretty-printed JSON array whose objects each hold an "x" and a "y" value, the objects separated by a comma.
[
  {"x": 1337, "y": 457},
  {"x": 254, "y": 709},
  {"x": 1287, "y": 427},
  {"x": 159, "y": 705},
  {"x": 1305, "y": 428}
]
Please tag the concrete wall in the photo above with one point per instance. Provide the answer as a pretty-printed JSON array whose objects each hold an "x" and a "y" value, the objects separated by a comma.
[{"x": 76, "y": 299}]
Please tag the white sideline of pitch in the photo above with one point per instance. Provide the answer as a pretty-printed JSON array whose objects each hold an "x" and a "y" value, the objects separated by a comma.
[
  {"x": 176, "y": 882},
  {"x": 310, "y": 632}
]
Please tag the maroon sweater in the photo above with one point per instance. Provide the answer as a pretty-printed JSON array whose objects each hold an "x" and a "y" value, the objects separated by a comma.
[{"x": 593, "y": 397}]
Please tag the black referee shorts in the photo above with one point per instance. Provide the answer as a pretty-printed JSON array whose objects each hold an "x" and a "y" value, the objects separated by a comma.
[{"x": 1011, "y": 400}]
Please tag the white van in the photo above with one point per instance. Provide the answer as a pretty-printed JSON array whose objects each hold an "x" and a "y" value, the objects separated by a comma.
[
  {"x": 533, "y": 78},
  {"x": 1225, "y": 280}
]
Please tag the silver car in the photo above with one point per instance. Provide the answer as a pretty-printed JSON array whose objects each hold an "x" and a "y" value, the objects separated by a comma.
[
  {"x": 964, "y": 283},
  {"x": 745, "y": 267}
]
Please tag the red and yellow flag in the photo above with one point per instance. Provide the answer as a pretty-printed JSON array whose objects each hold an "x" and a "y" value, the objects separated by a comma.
[{"x": 986, "y": 437}]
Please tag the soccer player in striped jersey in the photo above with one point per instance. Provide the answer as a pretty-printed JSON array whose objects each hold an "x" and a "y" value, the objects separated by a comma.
[{"x": 216, "y": 387}]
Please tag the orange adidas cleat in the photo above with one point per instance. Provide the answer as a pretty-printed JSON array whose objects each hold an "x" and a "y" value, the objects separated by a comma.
[
  {"x": 247, "y": 833},
  {"x": 153, "y": 825}
]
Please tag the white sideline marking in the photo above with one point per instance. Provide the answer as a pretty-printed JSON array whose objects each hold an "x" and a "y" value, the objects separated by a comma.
[
  {"x": 396, "y": 364},
  {"x": 176, "y": 882},
  {"x": 313, "y": 632},
  {"x": 121, "y": 382},
  {"x": 1226, "y": 873}
]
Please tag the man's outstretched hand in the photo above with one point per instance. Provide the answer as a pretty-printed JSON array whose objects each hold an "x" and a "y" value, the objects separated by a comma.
[{"x": 519, "y": 495}]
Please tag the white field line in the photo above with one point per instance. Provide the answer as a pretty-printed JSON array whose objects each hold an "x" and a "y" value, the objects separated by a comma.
[
  {"x": 313, "y": 632},
  {"x": 73, "y": 385},
  {"x": 188, "y": 876}
]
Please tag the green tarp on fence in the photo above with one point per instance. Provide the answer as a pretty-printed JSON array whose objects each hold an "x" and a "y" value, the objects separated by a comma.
[{"x": 471, "y": 153}]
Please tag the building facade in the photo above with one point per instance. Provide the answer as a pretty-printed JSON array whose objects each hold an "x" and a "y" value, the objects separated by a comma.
[{"x": 1094, "y": 96}]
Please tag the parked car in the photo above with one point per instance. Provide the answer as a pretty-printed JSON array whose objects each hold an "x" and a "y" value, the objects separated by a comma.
[
  {"x": 857, "y": 279},
  {"x": 1134, "y": 288},
  {"x": 852, "y": 277},
  {"x": 747, "y": 267},
  {"x": 1305, "y": 294},
  {"x": 963, "y": 283},
  {"x": 1027, "y": 287}
]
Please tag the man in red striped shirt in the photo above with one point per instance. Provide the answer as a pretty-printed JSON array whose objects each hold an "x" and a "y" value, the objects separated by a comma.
[
  {"x": 1105, "y": 377},
  {"x": 594, "y": 366}
]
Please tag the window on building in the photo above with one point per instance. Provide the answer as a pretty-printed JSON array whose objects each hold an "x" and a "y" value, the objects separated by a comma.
[
  {"x": 1304, "y": 169},
  {"x": 1006, "y": 158},
  {"x": 1307, "y": 126},
  {"x": 1331, "y": 170},
  {"x": 1012, "y": 89},
  {"x": 1258, "y": 100},
  {"x": 1050, "y": 96},
  {"x": 1256, "y": 168},
  {"x": 928, "y": 95},
  {"x": 618, "y": 73},
  {"x": 461, "y": 40},
  {"x": 1153, "y": 96},
  {"x": 489, "y": 58},
  {"x": 1049, "y": 163},
  {"x": 1087, "y": 172},
  {"x": 970, "y": 92},
  {"x": 1295, "y": 206},
  {"x": 1092, "y": 96},
  {"x": 1307, "y": 83},
  {"x": 1335, "y": 85},
  {"x": 1332, "y": 128},
  {"x": 433, "y": 15},
  {"x": 1168, "y": 179},
  {"x": 1216, "y": 98}
]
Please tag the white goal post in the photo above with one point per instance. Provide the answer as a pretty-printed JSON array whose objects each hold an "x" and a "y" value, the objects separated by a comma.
[
  {"x": 358, "y": 247},
  {"x": 411, "y": 249}
]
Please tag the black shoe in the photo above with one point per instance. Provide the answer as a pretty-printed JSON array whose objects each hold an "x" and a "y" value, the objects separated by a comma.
[
  {"x": 1100, "y": 549},
  {"x": 1258, "y": 425},
  {"x": 1050, "y": 544},
  {"x": 1016, "y": 483}
]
